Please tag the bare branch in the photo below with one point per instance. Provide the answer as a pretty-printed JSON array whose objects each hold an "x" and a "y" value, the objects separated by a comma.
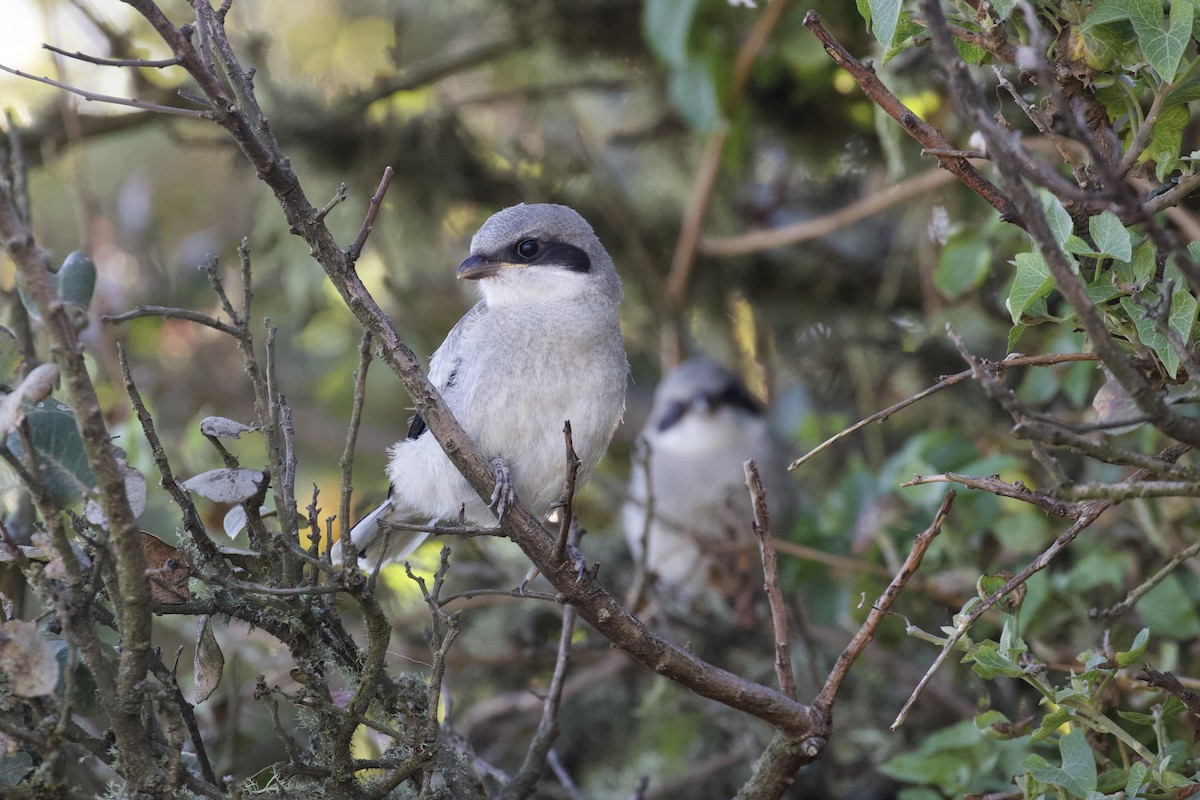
[
  {"x": 120, "y": 101},
  {"x": 766, "y": 548}
]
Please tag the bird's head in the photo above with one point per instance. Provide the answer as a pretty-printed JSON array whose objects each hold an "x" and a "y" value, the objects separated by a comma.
[
  {"x": 536, "y": 253},
  {"x": 702, "y": 388}
]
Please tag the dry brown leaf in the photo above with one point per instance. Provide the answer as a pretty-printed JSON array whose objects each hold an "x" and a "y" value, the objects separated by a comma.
[
  {"x": 167, "y": 570},
  {"x": 210, "y": 661}
]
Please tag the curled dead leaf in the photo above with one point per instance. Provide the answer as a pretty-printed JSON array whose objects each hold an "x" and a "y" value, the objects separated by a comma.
[{"x": 167, "y": 570}]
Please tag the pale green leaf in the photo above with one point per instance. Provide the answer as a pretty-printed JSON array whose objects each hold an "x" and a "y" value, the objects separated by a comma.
[
  {"x": 1032, "y": 282},
  {"x": 666, "y": 24},
  {"x": 884, "y": 16},
  {"x": 1111, "y": 237},
  {"x": 1162, "y": 43},
  {"x": 1078, "y": 771},
  {"x": 1060, "y": 221}
]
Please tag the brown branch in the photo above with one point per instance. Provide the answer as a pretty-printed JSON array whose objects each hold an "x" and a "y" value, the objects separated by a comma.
[
  {"x": 355, "y": 249},
  {"x": 567, "y": 509},
  {"x": 756, "y": 241},
  {"x": 917, "y": 128},
  {"x": 1140, "y": 591},
  {"x": 766, "y": 549},
  {"x": 880, "y": 607},
  {"x": 525, "y": 781},
  {"x": 114, "y": 62},
  {"x": 1170, "y": 684},
  {"x": 166, "y": 312},
  {"x": 346, "y": 462},
  {"x": 993, "y": 484}
]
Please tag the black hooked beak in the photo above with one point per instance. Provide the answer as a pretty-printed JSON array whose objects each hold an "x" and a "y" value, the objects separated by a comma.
[{"x": 475, "y": 268}]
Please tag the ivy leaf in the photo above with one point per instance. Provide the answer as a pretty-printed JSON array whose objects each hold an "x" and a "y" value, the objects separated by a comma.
[
  {"x": 1060, "y": 221},
  {"x": 1078, "y": 771},
  {"x": 1162, "y": 45},
  {"x": 1107, "y": 11},
  {"x": 1032, "y": 282},
  {"x": 58, "y": 451},
  {"x": 1111, "y": 237},
  {"x": 990, "y": 662},
  {"x": 884, "y": 16}
]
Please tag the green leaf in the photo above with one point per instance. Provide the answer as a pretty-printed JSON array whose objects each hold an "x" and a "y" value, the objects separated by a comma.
[
  {"x": 1184, "y": 92},
  {"x": 1014, "y": 336},
  {"x": 1106, "y": 11},
  {"x": 1003, "y": 8},
  {"x": 1078, "y": 771},
  {"x": 1060, "y": 221},
  {"x": 971, "y": 53},
  {"x": 1032, "y": 282},
  {"x": 1162, "y": 45},
  {"x": 1136, "y": 779},
  {"x": 1111, "y": 237},
  {"x": 1167, "y": 138},
  {"x": 1180, "y": 319},
  {"x": 1050, "y": 723},
  {"x": 666, "y": 24},
  {"x": 1170, "y": 611},
  {"x": 1137, "y": 718},
  {"x": 1141, "y": 268},
  {"x": 906, "y": 29},
  {"x": 693, "y": 91},
  {"x": 884, "y": 16},
  {"x": 963, "y": 265},
  {"x": 1172, "y": 707},
  {"x": 77, "y": 279},
  {"x": 990, "y": 662},
  {"x": 58, "y": 451},
  {"x": 1126, "y": 658}
]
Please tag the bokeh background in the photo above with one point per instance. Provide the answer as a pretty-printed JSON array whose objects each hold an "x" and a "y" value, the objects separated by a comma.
[{"x": 611, "y": 107}]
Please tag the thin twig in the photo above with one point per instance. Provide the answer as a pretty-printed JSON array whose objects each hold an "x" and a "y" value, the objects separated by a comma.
[
  {"x": 114, "y": 62},
  {"x": 1140, "y": 591},
  {"x": 1091, "y": 513},
  {"x": 993, "y": 485},
  {"x": 1014, "y": 360},
  {"x": 880, "y": 607},
  {"x": 346, "y": 462},
  {"x": 805, "y": 230},
  {"x": 567, "y": 510},
  {"x": 355, "y": 249},
  {"x": 120, "y": 101},
  {"x": 166, "y": 312},
  {"x": 920, "y": 130},
  {"x": 766, "y": 549},
  {"x": 525, "y": 781}
]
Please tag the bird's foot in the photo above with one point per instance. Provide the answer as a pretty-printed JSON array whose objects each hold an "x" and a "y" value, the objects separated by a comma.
[{"x": 503, "y": 496}]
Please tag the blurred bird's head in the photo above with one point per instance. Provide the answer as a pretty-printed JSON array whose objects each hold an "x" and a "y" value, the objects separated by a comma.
[
  {"x": 539, "y": 253},
  {"x": 700, "y": 392}
]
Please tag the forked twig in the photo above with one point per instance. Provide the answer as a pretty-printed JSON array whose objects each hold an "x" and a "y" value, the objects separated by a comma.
[
  {"x": 881, "y": 607},
  {"x": 766, "y": 548}
]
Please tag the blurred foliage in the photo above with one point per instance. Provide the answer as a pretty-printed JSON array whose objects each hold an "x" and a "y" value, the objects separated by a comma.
[{"x": 607, "y": 106}]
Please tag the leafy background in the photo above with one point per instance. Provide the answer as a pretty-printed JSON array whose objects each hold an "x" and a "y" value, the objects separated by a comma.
[{"x": 609, "y": 107}]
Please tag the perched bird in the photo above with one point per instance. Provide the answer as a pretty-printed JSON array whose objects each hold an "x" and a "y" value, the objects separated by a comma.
[
  {"x": 542, "y": 346},
  {"x": 688, "y": 513}
]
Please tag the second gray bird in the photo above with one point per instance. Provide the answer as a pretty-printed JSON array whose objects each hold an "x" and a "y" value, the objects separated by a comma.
[
  {"x": 689, "y": 514},
  {"x": 541, "y": 347}
]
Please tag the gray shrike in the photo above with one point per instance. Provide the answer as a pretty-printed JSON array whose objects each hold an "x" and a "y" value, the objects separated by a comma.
[
  {"x": 541, "y": 347},
  {"x": 697, "y": 526}
]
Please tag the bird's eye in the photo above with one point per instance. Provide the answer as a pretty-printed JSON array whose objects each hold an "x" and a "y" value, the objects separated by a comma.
[{"x": 528, "y": 248}]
